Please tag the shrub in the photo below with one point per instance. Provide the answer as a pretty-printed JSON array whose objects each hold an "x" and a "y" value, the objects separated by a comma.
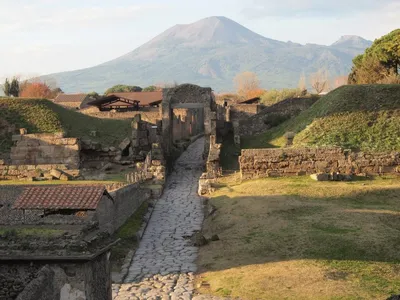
[{"x": 274, "y": 96}]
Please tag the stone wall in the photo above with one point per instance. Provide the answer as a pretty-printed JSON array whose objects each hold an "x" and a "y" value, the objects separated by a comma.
[
  {"x": 213, "y": 169},
  {"x": 152, "y": 170},
  {"x": 50, "y": 280},
  {"x": 126, "y": 201},
  {"x": 243, "y": 111},
  {"x": 258, "y": 163},
  {"x": 45, "y": 148},
  {"x": 187, "y": 123},
  {"x": 131, "y": 149},
  {"x": 290, "y": 107},
  {"x": 148, "y": 114}
]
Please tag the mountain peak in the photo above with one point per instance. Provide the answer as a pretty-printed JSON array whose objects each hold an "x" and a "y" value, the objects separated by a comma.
[
  {"x": 209, "y": 31},
  {"x": 354, "y": 41}
]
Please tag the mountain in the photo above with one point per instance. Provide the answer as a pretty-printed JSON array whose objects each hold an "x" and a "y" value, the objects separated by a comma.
[
  {"x": 211, "y": 52},
  {"x": 352, "y": 41}
]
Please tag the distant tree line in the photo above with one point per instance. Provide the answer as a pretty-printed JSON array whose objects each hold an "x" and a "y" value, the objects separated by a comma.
[
  {"x": 122, "y": 88},
  {"x": 32, "y": 88}
]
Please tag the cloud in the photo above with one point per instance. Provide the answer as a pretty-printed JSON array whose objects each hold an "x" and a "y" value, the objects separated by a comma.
[
  {"x": 312, "y": 8},
  {"x": 41, "y": 15}
]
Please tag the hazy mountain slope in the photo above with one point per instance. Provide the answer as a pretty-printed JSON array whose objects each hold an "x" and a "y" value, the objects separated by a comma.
[{"x": 211, "y": 52}]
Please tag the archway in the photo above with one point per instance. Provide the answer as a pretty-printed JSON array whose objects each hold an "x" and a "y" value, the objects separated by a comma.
[{"x": 198, "y": 106}]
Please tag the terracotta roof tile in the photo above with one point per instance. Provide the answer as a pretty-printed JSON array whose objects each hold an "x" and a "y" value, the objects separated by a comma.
[
  {"x": 78, "y": 98},
  {"x": 60, "y": 197}
]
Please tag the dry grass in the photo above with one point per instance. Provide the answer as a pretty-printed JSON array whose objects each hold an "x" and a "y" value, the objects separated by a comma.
[{"x": 294, "y": 238}]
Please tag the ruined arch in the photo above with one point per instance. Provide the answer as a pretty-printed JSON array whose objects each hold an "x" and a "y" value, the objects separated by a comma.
[{"x": 188, "y": 96}]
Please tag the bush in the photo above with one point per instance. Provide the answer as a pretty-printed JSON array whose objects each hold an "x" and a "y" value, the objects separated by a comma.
[{"x": 274, "y": 96}]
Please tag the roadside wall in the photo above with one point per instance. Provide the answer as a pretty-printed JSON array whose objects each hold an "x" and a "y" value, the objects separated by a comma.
[
  {"x": 126, "y": 201},
  {"x": 258, "y": 163}
]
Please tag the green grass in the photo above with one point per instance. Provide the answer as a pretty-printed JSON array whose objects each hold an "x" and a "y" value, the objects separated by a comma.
[
  {"x": 43, "y": 116},
  {"x": 365, "y": 117}
]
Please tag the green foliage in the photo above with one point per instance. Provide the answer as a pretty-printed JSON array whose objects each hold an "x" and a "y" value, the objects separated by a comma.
[
  {"x": 121, "y": 88},
  {"x": 274, "y": 96},
  {"x": 365, "y": 117},
  {"x": 14, "y": 87},
  {"x": 151, "y": 88},
  {"x": 40, "y": 115},
  {"x": 6, "y": 87},
  {"x": 94, "y": 95},
  {"x": 380, "y": 61}
]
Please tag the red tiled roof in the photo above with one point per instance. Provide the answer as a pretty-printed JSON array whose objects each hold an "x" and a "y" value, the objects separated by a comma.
[
  {"x": 78, "y": 98},
  {"x": 144, "y": 98},
  {"x": 60, "y": 197}
]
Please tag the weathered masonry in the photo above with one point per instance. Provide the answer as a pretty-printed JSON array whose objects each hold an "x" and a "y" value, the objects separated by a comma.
[
  {"x": 45, "y": 148},
  {"x": 200, "y": 101},
  {"x": 258, "y": 163}
]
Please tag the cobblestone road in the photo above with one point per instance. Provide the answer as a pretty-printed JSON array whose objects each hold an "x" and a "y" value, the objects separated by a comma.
[{"x": 164, "y": 263}]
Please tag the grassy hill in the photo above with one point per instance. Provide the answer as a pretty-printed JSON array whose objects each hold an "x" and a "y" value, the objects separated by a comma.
[
  {"x": 40, "y": 115},
  {"x": 365, "y": 117}
]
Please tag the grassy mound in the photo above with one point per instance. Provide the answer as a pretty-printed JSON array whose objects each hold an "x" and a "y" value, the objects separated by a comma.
[
  {"x": 365, "y": 117},
  {"x": 40, "y": 115}
]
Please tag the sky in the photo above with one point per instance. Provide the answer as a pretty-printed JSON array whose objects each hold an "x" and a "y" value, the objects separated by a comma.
[{"x": 46, "y": 36}]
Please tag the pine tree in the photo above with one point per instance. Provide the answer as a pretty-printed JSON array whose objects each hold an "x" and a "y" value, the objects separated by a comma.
[
  {"x": 14, "y": 88},
  {"x": 6, "y": 88}
]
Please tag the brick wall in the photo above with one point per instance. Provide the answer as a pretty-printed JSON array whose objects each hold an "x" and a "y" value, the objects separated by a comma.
[
  {"x": 45, "y": 148},
  {"x": 258, "y": 163}
]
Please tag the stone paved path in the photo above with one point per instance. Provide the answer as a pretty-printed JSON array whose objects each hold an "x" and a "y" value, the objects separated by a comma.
[{"x": 164, "y": 263}]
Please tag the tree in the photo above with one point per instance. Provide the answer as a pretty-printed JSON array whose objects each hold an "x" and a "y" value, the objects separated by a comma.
[
  {"x": 380, "y": 63},
  {"x": 319, "y": 81},
  {"x": 14, "y": 87},
  {"x": 302, "y": 85},
  {"x": 151, "y": 88},
  {"x": 36, "y": 90},
  {"x": 121, "y": 88},
  {"x": 245, "y": 83},
  {"x": 6, "y": 88},
  {"x": 55, "y": 92},
  {"x": 94, "y": 95}
]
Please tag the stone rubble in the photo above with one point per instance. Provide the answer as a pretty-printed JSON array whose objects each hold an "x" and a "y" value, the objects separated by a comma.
[{"x": 164, "y": 264}]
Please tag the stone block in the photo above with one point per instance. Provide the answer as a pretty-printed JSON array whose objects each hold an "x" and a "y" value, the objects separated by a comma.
[
  {"x": 320, "y": 177},
  {"x": 16, "y": 138},
  {"x": 56, "y": 173},
  {"x": 124, "y": 144}
]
